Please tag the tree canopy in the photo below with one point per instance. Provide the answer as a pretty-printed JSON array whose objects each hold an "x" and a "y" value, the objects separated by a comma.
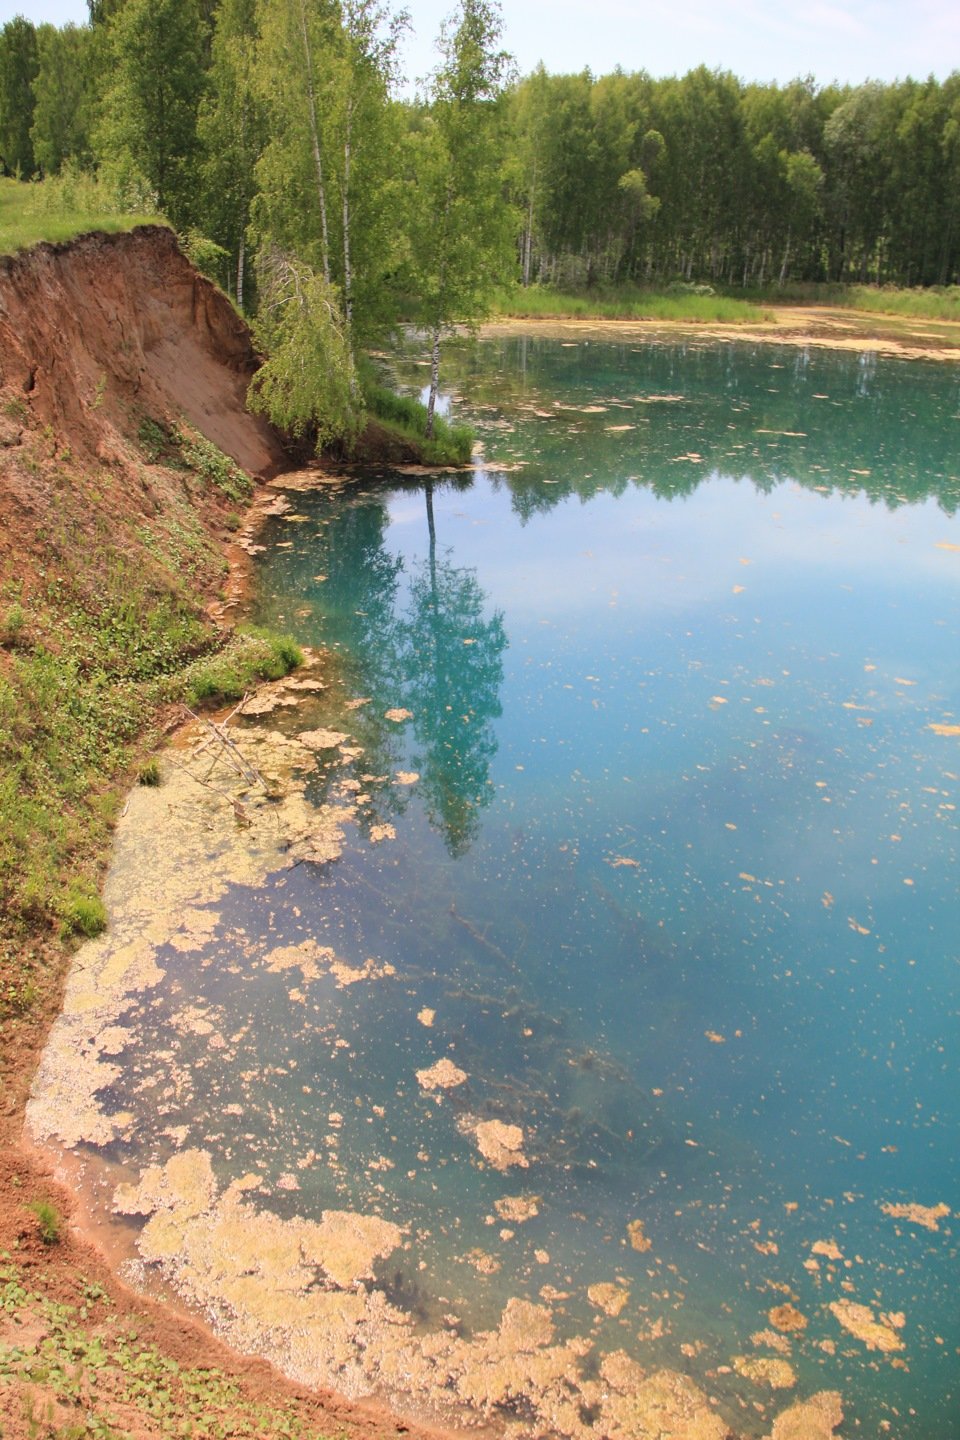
[{"x": 274, "y": 128}]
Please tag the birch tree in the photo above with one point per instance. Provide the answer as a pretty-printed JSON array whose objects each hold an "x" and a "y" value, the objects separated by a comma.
[
  {"x": 462, "y": 228},
  {"x": 232, "y": 129}
]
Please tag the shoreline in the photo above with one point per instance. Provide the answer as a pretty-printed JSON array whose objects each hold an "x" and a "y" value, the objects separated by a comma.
[{"x": 827, "y": 327}]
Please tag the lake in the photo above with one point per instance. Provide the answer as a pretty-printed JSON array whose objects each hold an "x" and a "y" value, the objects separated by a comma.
[{"x": 625, "y": 1003}]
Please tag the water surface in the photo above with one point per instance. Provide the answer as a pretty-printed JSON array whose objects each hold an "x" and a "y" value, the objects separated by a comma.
[{"x": 651, "y": 730}]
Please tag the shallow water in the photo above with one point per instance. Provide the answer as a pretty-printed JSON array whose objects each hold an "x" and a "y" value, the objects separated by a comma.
[{"x": 655, "y": 776}]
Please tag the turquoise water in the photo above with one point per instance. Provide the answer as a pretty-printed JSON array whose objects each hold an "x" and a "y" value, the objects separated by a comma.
[{"x": 678, "y": 874}]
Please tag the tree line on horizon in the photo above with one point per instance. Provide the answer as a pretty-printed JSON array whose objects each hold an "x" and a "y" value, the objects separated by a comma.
[{"x": 274, "y": 133}]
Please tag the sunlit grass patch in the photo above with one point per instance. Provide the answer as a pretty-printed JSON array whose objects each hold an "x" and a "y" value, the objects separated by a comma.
[
  {"x": 61, "y": 207},
  {"x": 407, "y": 417},
  {"x": 676, "y": 303}
]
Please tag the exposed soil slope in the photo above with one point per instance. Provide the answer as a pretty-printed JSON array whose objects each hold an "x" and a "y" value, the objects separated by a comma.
[{"x": 110, "y": 325}]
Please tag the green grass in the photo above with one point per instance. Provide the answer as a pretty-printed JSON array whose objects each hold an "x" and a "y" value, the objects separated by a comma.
[
  {"x": 86, "y": 1366},
  {"x": 406, "y": 417},
  {"x": 938, "y": 302},
  {"x": 55, "y": 210},
  {"x": 110, "y": 628},
  {"x": 673, "y": 304}
]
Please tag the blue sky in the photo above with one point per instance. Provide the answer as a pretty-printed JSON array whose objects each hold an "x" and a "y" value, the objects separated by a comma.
[{"x": 845, "y": 40}]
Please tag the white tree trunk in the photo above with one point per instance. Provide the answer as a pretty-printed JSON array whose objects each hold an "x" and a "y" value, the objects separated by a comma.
[
  {"x": 434, "y": 381},
  {"x": 241, "y": 261}
]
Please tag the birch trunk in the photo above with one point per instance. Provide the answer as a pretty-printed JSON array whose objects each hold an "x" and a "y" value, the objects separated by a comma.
[{"x": 434, "y": 382}]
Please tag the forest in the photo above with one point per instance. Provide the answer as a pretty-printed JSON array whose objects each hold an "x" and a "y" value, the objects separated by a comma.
[{"x": 276, "y": 137}]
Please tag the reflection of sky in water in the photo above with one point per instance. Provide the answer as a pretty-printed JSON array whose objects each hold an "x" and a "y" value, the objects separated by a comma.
[{"x": 690, "y": 919}]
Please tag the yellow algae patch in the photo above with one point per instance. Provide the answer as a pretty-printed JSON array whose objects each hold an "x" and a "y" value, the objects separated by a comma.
[
  {"x": 382, "y": 832},
  {"x": 770, "y": 1340},
  {"x": 638, "y": 1239},
  {"x": 929, "y": 1216},
  {"x": 197, "y": 928},
  {"x": 305, "y": 957},
  {"x": 860, "y": 1321},
  {"x": 407, "y": 777},
  {"x": 186, "y": 1185},
  {"x": 207, "y": 827},
  {"x": 345, "y": 974},
  {"x": 787, "y": 1317},
  {"x": 483, "y": 1263},
  {"x": 426, "y": 1016},
  {"x": 346, "y": 1245},
  {"x": 766, "y": 1370},
  {"x": 813, "y": 1419},
  {"x": 267, "y": 700},
  {"x": 398, "y": 715},
  {"x": 444, "y": 1075},
  {"x": 500, "y": 1145},
  {"x": 322, "y": 739},
  {"x": 944, "y": 729},
  {"x": 636, "y": 1406},
  {"x": 608, "y": 1297},
  {"x": 829, "y": 1248},
  {"x": 517, "y": 1208}
]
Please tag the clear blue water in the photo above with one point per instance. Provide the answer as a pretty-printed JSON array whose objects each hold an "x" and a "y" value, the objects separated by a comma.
[{"x": 679, "y": 873}]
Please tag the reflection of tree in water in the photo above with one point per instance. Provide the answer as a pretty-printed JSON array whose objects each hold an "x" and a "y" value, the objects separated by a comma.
[
  {"x": 357, "y": 600},
  {"x": 454, "y": 669}
]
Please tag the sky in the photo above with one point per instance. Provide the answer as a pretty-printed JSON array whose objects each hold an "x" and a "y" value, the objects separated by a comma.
[{"x": 845, "y": 40}]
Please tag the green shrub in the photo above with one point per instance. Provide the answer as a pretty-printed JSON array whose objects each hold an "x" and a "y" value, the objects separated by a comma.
[
  {"x": 83, "y": 912},
  {"x": 12, "y": 625},
  {"x": 209, "y": 258},
  {"x": 210, "y": 463},
  {"x": 48, "y": 1219},
  {"x": 155, "y": 440},
  {"x": 252, "y": 654},
  {"x": 407, "y": 416},
  {"x": 149, "y": 773}
]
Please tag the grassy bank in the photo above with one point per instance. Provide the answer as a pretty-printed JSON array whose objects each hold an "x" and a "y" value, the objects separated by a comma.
[
  {"x": 62, "y": 207},
  {"x": 687, "y": 303},
  {"x": 935, "y": 303},
  {"x": 680, "y": 303},
  {"x": 103, "y": 630},
  {"x": 405, "y": 420},
  {"x": 82, "y": 1371}
]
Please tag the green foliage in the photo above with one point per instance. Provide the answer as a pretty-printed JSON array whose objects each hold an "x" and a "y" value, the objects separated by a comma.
[
  {"x": 683, "y": 302},
  {"x": 48, "y": 1220},
  {"x": 65, "y": 205},
  {"x": 210, "y": 258},
  {"x": 155, "y": 440},
  {"x": 149, "y": 773},
  {"x": 212, "y": 465},
  {"x": 13, "y": 625},
  {"x": 461, "y": 229},
  {"x": 309, "y": 385},
  {"x": 18, "y": 69},
  {"x": 149, "y": 112},
  {"x": 252, "y": 654},
  {"x": 65, "y": 95},
  {"x": 407, "y": 416},
  {"x": 82, "y": 1359},
  {"x": 82, "y": 911}
]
